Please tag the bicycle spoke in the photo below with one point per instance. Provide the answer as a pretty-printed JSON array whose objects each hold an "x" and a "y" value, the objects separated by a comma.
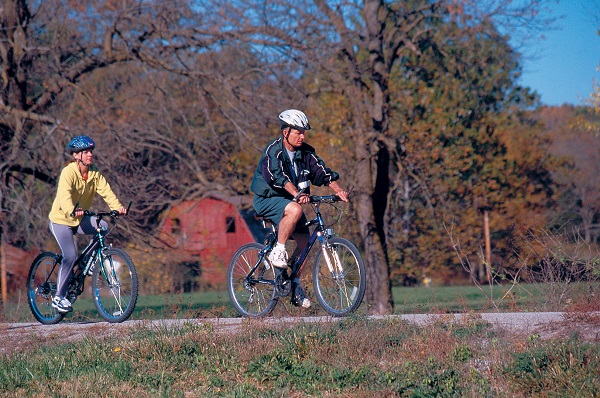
[
  {"x": 115, "y": 285},
  {"x": 41, "y": 288},
  {"x": 339, "y": 278},
  {"x": 115, "y": 289},
  {"x": 251, "y": 290}
]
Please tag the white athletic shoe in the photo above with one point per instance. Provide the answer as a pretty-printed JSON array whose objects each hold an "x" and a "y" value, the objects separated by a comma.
[
  {"x": 278, "y": 258},
  {"x": 62, "y": 305}
]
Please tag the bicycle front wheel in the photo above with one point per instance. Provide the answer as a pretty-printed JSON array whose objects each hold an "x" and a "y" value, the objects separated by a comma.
[
  {"x": 339, "y": 277},
  {"x": 114, "y": 285},
  {"x": 251, "y": 295},
  {"x": 41, "y": 288}
]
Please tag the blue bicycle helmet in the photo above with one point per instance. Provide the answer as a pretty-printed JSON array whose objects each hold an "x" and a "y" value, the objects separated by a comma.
[{"x": 81, "y": 143}]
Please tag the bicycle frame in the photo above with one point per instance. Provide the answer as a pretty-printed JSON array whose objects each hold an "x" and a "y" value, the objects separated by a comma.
[
  {"x": 319, "y": 233},
  {"x": 81, "y": 269},
  {"x": 297, "y": 266},
  {"x": 93, "y": 248}
]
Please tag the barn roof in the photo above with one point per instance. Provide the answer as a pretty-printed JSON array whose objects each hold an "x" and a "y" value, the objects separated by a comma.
[{"x": 256, "y": 228}]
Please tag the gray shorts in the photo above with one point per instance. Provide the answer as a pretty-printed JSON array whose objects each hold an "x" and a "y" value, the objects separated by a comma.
[{"x": 273, "y": 208}]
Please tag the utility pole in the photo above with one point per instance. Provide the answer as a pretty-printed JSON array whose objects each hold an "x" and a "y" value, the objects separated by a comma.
[
  {"x": 3, "y": 284},
  {"x": 488, "y": 244},
  {"x": 3, "y": 270}
]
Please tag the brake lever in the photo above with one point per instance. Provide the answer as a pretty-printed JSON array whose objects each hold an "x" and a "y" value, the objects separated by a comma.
[
  {"x": 350, "y": 191},
  {"x": 298, "y": 195},
  {"x": 74, "y": 209}
]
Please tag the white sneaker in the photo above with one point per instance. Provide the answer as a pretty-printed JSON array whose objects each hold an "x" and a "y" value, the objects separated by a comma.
[
  {"x": 299, "y": 298},
  {"x": 62, "y": 305},
  {"x": 278, "y": 258}
]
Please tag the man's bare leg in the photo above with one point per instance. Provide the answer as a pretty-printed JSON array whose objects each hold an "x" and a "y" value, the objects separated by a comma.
[{"x": 291, "y": 215}]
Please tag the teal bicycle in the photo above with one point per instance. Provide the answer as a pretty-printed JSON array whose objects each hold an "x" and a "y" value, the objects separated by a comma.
[{"x": 113, "y": 277}]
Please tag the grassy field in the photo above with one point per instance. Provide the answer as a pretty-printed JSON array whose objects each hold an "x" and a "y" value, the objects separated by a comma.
[
  {"x": 407, "y": 300},
  {"x": 355, "y": 357}
]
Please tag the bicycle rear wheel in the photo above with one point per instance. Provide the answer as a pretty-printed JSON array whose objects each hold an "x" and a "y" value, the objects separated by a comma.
[
  {"x": 41, "y": 288},
  {"x": 251, "y": 295},
  {"x": 115, "y": 285},
  {"x": 339, "y": 290}
]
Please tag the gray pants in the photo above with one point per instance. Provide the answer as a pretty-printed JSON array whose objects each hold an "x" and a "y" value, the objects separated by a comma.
[{"x": 65, "y": 236}]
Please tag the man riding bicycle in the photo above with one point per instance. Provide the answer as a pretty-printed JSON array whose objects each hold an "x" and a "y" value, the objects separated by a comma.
[{"x": 286, "y": 162}]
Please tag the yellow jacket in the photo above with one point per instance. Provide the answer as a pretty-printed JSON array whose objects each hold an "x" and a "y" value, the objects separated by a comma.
[{"x": 72, "y": 188}]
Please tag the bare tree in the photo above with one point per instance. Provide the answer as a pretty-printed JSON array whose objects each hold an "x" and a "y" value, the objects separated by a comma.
[
  {"x": 170, "y": 112},
  {"x": 46, "y": 49}
]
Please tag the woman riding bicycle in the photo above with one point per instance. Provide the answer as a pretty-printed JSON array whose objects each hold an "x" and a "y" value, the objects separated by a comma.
[
  {"x": 286, "y": 161},
  {"x": 79, "y": 181}
]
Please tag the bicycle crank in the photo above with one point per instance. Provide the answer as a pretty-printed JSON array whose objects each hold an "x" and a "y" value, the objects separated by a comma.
[{"x": 283, "y": 285}]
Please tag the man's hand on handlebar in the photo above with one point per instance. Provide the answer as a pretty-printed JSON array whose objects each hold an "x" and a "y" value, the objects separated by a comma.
[
  {"x": 339, "y": 192},
  {"x": 303, "y": 198},
  {"x": 343, "y": 195}
]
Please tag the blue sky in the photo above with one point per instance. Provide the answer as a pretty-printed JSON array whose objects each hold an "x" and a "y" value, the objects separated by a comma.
[{"x": 562, "y": 67}]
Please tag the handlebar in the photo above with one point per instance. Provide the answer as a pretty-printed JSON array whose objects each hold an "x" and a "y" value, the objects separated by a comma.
[
  {"x": 318, "y": 199},
  {"x": 112, "y": 213},
  {"x": 325, "y": 199}
]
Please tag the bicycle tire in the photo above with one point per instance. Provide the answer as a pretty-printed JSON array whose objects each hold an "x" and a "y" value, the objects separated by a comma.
[
  {"x": 41, "y": 288},
  {"x": 339, "y": 294},
  {"x": 251, "y": 298},
  {"x": 114, "y": 285}
]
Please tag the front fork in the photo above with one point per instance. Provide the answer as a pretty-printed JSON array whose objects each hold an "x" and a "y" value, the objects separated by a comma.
[{"x": 332, "y": 258}]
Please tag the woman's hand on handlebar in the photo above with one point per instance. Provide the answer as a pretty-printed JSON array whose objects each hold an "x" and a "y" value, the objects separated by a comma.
[{"x": 78, "y": 212}]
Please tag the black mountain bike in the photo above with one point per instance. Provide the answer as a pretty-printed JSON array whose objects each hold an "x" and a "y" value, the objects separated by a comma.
[
  {"x": 338, "y": 274},
  {"x": 114, "y": 279}
]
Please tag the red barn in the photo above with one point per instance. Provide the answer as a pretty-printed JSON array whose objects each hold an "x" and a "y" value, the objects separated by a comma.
[
  {"x": 17, "y": 262},
  {"x": 207, "y": 231}
]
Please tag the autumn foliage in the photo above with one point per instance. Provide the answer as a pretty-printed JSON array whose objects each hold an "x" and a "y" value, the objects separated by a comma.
[{"x": 417, "y": 104}]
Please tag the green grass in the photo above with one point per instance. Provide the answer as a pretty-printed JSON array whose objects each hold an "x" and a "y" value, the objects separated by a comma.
[
  {"x": 407, "y": 300},
  {"x": 470, "y": 359},
  {"x": 355, "y": 357},
  {"x": 444, "y": 299}
]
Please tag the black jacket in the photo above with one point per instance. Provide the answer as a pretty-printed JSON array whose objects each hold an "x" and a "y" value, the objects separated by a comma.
[{"x": 275, "y": 169}]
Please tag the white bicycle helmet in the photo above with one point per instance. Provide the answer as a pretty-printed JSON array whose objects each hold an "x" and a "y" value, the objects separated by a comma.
[{"x": 295, "y": 119}]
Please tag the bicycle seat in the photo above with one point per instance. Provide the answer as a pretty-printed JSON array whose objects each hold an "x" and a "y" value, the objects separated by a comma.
[{"x": 266, "y": 222}]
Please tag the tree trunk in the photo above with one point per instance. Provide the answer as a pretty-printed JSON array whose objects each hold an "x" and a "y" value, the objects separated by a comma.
[
  {"x": 378, "y": 294},
  {"x": 3, "y": 274},
  {"x": 371, "y": 195}
]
